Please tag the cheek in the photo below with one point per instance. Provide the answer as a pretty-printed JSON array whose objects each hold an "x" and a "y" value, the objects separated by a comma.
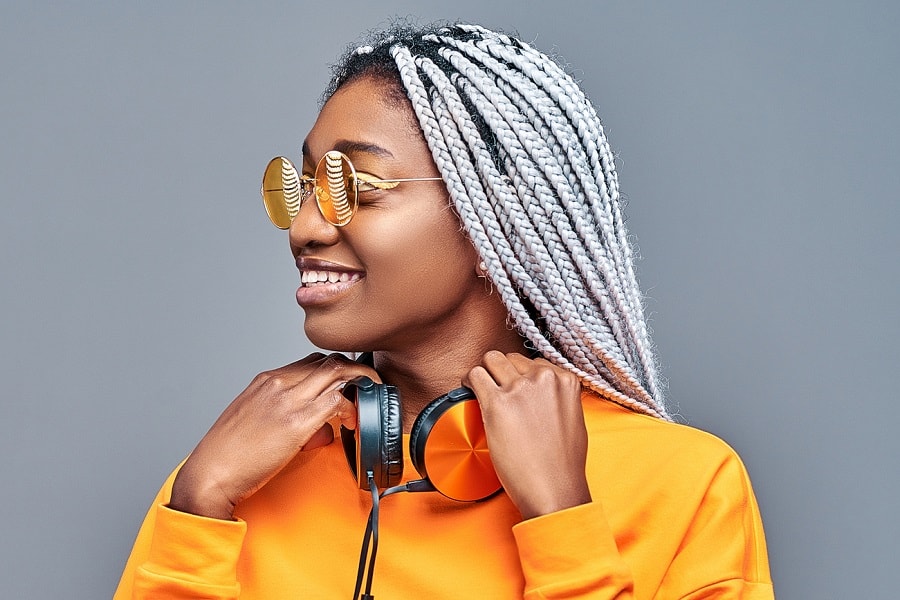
[{"x": 427, "y": 251}]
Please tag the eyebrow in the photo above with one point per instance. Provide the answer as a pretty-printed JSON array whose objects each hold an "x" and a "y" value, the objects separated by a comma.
[{"x": 350, "y": 147}]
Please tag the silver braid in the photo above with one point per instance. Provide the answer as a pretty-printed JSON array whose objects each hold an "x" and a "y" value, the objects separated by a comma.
[{"x": 532, "y": 177}]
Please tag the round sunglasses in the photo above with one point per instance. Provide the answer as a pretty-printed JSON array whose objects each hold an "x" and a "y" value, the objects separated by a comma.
[{"x": 336, "y": 186}]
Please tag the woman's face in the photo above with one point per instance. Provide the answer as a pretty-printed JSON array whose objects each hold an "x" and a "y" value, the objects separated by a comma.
[{"x": 402, "y": 271}]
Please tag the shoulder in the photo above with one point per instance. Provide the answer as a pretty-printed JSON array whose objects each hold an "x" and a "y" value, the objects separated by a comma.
[
  {"x": 671, "y": 493},
  {"x": 609, "y": 420},
  {"x": 661, "y": 476},
  {"x": 672, "y": 454}
]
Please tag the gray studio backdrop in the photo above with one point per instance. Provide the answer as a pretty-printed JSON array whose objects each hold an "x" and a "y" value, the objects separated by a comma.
[{"x": 143, "y": 287}]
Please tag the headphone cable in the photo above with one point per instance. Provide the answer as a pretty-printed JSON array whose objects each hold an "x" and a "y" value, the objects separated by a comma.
[
  {"x": 366, "y": 560},
  {"x": 371, "y": 535}
]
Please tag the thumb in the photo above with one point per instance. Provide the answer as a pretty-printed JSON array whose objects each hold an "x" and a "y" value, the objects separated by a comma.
[{"x": 322, "y": 437}]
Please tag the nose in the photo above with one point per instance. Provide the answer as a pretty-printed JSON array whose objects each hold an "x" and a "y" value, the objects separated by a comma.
[{"x": 310, "y": 229}]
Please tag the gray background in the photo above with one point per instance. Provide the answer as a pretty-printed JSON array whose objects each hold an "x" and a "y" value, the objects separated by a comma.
[{"x": 142, "y": 286}]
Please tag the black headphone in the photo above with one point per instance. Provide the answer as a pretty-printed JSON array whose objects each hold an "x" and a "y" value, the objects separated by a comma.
[{"x": 447, "y": 443}]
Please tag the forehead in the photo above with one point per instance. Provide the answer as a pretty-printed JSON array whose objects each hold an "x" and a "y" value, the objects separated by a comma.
[{"x": 364, "y": 117}]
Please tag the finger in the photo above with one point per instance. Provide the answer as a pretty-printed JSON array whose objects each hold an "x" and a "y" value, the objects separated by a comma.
[
  {"x": 523, "y": 364},
  {"x": 484, "y": 386},
  {"x": 478, "y": 377},
  {"x": 332, "y": 405},
  {"x": 303, "y": 364},
  {"x": 315, "y": 377},
  {"x": 334, "y": 370},
  {"x": 346, "y": 411},
  {"x": 311, "y": 358},
  {"x": 291, "y": 369},
  {"x": 500, "y": 368},
  {"x": 322, "y": 437}
]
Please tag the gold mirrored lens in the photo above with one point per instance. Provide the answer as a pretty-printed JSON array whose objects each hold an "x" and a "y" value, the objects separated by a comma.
[
  {"x": 336, "y": 188},
  {"x": 281, "y": 191}
]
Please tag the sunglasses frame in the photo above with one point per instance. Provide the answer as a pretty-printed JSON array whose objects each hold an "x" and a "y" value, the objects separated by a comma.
[{"x": 283, "y": 203}]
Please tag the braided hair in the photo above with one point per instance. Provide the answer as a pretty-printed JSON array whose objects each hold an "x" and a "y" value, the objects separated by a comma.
[{"x": 532, "y": 178}]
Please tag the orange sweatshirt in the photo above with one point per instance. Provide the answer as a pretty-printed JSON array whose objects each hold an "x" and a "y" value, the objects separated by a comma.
[{"x": 673, "y": 516}]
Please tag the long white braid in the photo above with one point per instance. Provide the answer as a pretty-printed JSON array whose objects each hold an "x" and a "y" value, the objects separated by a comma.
[
  {"x": 564, "y": 94},
  {"x": 580, "y": 111},
  {"x": 531, "y": 244},
  {"x": 586, "y": 266},
  {"x": 532, "y": 177}
]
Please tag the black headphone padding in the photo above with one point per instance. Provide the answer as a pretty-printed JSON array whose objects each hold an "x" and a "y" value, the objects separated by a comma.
[
  {"x": 452, "y": 423},
  {"x": 376, "y": 444},
  {"x": 392, "y": 446}
]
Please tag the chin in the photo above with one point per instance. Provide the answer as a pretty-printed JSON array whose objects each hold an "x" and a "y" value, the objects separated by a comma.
[{"x": 334, "y": 339}]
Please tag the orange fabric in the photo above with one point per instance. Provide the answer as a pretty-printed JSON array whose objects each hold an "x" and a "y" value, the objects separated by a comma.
[{"x": 673, "y": 516}]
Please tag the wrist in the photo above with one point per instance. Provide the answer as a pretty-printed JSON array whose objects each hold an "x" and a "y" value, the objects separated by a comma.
[
  {"x": 571, "y": 498},
  {"x": 192, "y": 497}
]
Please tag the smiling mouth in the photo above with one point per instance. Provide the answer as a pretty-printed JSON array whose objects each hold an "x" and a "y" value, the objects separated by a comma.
[{"x": 314, "y": 278}]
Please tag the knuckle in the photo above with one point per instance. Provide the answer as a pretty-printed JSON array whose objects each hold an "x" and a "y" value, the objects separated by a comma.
[
  {"x": 569, "y": 378},
  {"x": 546, "y": 376},
  {"x": 332, "y": 400},
  {"x": 276, "y": 382},
  {"x": 262, "y": 377},
  {"x": 333, "y": 362}
]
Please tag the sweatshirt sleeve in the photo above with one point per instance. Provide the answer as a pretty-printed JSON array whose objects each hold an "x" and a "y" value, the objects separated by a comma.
[
  {"x": 720, "y": 552},
  {"x": 180, "y": 555},
  {"x": 723, "y": 551},
  {"x": 572, "y": 554}
]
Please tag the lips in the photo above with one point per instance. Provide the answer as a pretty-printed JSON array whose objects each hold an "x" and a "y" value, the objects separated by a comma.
[{"x": 322, "y": 281}]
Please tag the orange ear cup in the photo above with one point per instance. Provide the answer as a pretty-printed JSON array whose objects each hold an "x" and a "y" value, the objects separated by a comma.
[
  {"x": 449, "y": 448},
  {"x": 447, "y": 443}
]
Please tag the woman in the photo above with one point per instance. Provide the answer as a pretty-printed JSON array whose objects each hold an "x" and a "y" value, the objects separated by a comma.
[{"x": 487, "y": 249}]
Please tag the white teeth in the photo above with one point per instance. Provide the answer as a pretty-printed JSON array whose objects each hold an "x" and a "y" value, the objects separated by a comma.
[{"x": 321, "y": 277}]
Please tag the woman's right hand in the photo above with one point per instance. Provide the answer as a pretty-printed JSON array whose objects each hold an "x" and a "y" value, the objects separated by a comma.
[{"x": 280, "y": 413}]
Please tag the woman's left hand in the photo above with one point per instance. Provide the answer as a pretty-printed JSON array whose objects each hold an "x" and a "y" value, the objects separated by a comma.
[{"x": 535, "y": 431}]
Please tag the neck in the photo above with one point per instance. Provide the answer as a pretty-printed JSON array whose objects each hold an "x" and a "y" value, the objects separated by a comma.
[{"x": 431, "y": 370}]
